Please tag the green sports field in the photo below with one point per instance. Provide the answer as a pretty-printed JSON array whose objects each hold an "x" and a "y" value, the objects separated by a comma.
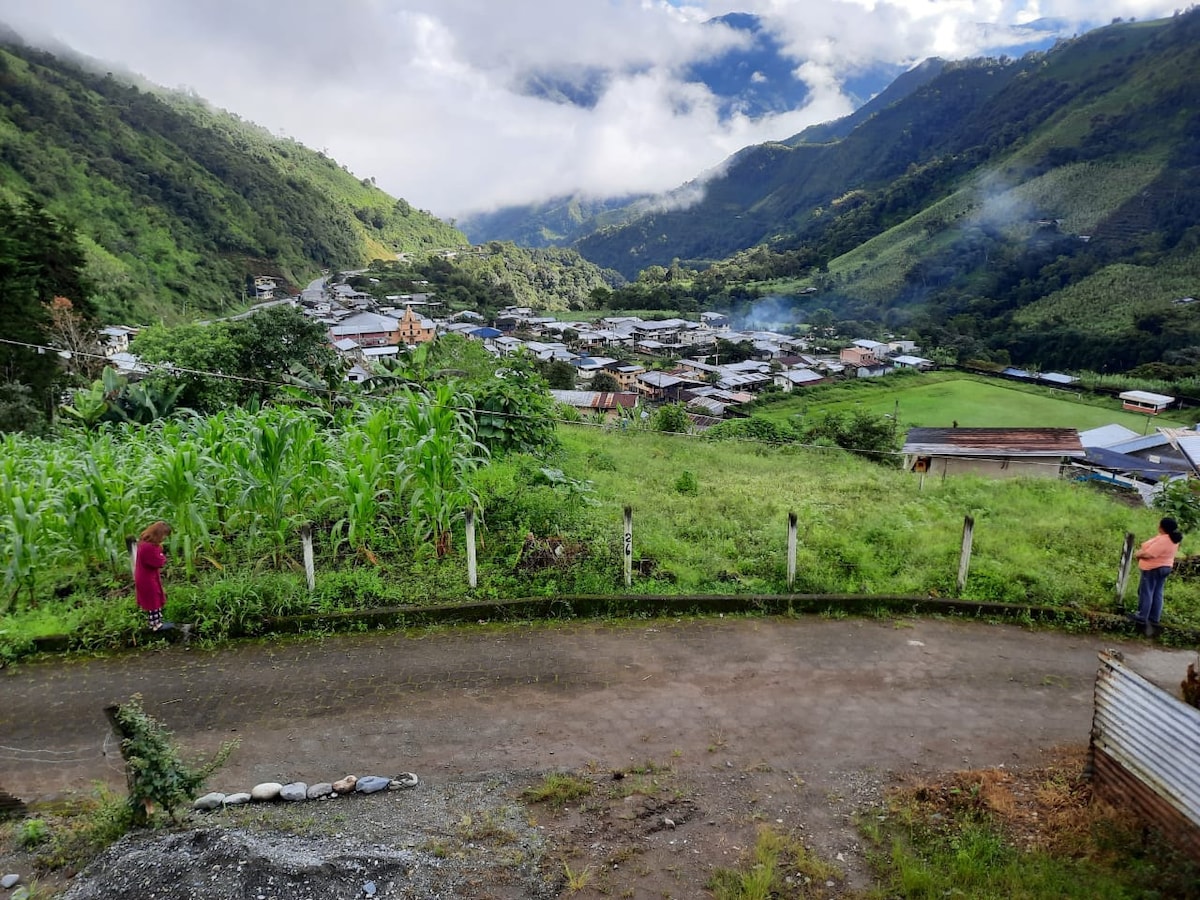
[{"x": 940, "y": 400}]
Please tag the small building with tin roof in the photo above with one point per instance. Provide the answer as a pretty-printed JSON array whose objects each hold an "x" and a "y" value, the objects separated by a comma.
[{"x": 992, "y": 452}]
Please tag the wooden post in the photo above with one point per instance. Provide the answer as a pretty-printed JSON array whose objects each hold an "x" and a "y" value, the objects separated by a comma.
[
  {"x": 472, "y": 574},
  {"x": 140, "y": 812},
  {"x": 310, "y": 569},
  {"x": 791, "y": 552},
  {"x": 964, "y": 559},
  {"x": 131, "y": 544},
  {"x": 627, "y": 546},
  {"x": 1123, "y": 570}
]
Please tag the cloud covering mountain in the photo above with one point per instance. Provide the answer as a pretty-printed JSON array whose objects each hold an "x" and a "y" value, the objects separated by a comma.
[{"x": 460, "y": 106}]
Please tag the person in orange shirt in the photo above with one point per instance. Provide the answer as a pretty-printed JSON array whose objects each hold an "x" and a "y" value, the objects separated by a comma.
[{"x": 1155, "y": 558}]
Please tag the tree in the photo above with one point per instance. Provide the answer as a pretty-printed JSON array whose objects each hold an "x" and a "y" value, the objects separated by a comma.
[
  {"x": 199, "y": 357},
  {"x": 18, "y": 410},
  {"x": 40, "y": 259},
  {"x": 514, "y": 411},
  {"x": 69, "y": 330},
  {"x": 606, "y": 382},
  {"x": 673, "y": 419},
  {"x": 558, "y": 374},
  {"x": 821, "y": 321},
  {"x": 274, "y": 341}
]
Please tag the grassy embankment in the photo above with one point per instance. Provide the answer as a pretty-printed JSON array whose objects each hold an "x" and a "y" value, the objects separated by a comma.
[{"x": 864, "y": 529}]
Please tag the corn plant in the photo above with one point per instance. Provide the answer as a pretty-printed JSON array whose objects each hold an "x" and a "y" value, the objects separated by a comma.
[
  {"x": 438, "y": 465},
  {"x": 266, "y": 472},
  {"x": 20, "y": 530},
  {"x": 180, "y": 491}
]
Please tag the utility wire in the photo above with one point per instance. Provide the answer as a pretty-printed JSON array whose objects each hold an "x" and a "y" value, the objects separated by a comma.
[{"x": 169, "y": 368}]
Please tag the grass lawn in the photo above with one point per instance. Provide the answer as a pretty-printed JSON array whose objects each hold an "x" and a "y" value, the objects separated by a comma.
[{"x": 941, "y": 399}]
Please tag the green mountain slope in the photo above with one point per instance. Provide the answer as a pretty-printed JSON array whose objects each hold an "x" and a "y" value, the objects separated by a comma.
[
  {"x": 1120, "y": 96},
  {"x": 175, "y": 202}
]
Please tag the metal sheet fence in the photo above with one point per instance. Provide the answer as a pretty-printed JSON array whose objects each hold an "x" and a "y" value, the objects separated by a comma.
[{"x": 1145, "y": 753}]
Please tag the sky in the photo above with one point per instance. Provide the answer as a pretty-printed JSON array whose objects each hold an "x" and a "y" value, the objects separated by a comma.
[{"x": 425, "y": 95}]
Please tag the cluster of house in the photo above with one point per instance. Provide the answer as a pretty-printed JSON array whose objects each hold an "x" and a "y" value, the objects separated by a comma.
[
  {"x": 612, "y": 345},
  {"x": 1112, "y": 454}
]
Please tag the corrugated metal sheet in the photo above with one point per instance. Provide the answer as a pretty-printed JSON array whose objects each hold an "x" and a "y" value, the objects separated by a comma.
[
  {"x": 1153, "y": 738},
  {"x": 1187, "y": 442},
  {"x": 993, "y": 441}
]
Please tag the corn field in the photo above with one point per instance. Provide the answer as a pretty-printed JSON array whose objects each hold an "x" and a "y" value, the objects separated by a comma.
[{"x": 238, "y": 485}]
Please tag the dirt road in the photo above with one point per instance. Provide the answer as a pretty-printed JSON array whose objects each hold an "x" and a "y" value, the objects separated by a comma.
[{"x": 833, "y": 708}]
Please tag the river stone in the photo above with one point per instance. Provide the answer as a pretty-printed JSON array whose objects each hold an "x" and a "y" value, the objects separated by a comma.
[
  {"x": 403, "y": 780},
  {"x": 209, "y": 801},
  {"x": 237, "y": 799},
  {"x": 8, "y": 881},
  {"x": 297, "y": 790},
  {"x": 369, "y": 784},
  {"x": 316, "y": 791},
  {"x": 345, "y": 785},
  {"x": 268, "y": 790},
  {"x": 21, "y": 893}
]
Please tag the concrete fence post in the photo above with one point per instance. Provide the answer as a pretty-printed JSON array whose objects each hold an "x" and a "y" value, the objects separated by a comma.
[
  {"x": 791, "y": 552},
  {"x": 627, "y": 546},
  {"x": 1123, "y": 570},
  {"x": 310, "y": 569},
  {"x": 964, "y": 559},
  {"x": 472, "y": 573}
]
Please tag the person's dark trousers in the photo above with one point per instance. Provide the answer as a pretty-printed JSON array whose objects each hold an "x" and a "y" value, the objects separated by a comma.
[{"x": 1150, "y": 594}]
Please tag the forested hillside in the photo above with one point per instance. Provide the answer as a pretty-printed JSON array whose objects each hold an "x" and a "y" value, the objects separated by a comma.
[
  {"x": 176, "y": 203},
  {"x": 1041, "y": 210}
]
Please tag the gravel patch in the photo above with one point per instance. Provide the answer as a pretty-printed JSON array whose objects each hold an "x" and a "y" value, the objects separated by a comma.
[{"x": 457, "y": 839}]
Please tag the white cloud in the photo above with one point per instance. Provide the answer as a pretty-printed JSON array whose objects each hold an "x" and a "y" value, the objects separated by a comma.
[{"x": 422, "y": 94}]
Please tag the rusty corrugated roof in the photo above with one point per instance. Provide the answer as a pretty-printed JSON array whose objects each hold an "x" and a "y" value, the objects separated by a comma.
[{"x": 994, "y": 441}]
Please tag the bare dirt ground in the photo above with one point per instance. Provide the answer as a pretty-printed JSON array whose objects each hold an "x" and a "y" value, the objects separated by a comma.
[{"x": 692, "y": 735}]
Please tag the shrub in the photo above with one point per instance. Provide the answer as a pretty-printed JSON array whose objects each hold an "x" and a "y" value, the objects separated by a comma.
[
  {"x": 672, "y": 419},
  {"x": 686, "y": 483},
  {"x": 158, "y": 777},
  {"x": 751, "y": 429},
  {"x": 32, "y": 833}
]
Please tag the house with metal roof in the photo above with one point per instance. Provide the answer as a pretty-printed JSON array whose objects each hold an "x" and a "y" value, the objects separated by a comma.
[
  {"x": 912, "y": 362},
  {"x": 610, "y": 404},
  {"x": 1145, "y": 401},
  {"x": 626, "y": 373},
  {"x": 791, "y": 379},
  {"x": 662, "y": 386},
  {"x": 368, "y": 329},
  {"x": 588, "y": 366},
  {"x": 992, "y": 452},
  {"x": 1106, "y": 435}
]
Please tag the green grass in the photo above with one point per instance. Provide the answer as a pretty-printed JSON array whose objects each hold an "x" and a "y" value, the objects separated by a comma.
[
  {"x": 966, "y": 851},
  {"x": 778, "y": 866},
  {"x": 865, "y": 528},
  {"x": 558, "y": 789},
  {"x": 940, "y": 399}
]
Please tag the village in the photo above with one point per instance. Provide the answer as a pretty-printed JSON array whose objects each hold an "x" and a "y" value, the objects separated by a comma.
[
  {"x": 651, "y": 362},
  {"x": 670, "y": 360}
]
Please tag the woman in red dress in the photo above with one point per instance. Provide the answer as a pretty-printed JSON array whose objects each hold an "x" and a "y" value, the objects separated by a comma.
[{"x": 147, "y": 574}]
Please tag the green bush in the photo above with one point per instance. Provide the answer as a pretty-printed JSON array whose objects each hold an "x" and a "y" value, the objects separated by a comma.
[
  {"x": 673, "y": 419},
  {"x": 32, "y": 833},
  {"x": 686, "y": 483},
  {"x": 158, "y": 777}
]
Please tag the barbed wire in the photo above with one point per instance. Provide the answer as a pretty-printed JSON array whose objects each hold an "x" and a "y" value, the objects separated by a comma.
[{"x": 331, "y": 393}]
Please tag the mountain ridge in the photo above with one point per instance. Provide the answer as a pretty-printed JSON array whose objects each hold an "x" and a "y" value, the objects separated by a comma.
[{"x": 175, "y": 202}]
